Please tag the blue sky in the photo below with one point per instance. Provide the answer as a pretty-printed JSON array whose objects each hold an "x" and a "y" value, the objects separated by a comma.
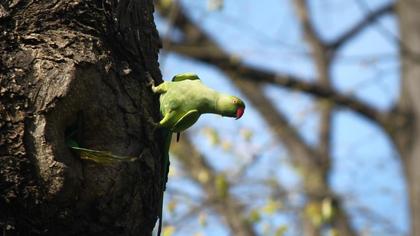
[{"x": 366, "y": 170}]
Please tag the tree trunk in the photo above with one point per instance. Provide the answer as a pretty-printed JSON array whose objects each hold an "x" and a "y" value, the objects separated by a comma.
[
  {"x": 407, "y": 136},
  {"x": 78, "y": 66}
]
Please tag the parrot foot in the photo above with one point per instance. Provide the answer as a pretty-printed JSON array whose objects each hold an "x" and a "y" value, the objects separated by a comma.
[
  {"x": 150, "y": 82},
  {"x": 149, "y": 77},
  {"x": 161, "y": 88}
]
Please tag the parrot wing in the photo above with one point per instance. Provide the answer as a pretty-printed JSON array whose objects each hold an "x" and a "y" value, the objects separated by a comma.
[{"x": 186, "y": 121}]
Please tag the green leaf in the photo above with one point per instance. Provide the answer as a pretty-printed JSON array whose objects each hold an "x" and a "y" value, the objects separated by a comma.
[
  {"x": 168, "y": 230},
  {"x": 313, "y": 213},
  {"x": 222, "y": 185},
  {"x": 280, "y": 231},
  {"x": 271, "y": 207},
  {"x": 327, "y": 209},
  {"x": 166, "y": 3},
  {"x": 226, "y": 146},
  {"x": 254, "y": 216},
  {"x": 247, "y": 134},
  {"x": 203, "y": 176},
  {"x": 212, "y": 135},
  {"x": 172, "y": 206}
]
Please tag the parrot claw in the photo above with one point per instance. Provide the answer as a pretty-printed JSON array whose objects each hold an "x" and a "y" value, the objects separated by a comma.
[{"x": 151, "y": 81}]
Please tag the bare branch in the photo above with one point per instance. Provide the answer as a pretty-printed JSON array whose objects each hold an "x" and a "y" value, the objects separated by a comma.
[
  {"x": 319, "y": 48},
  {"x": 303, "y": 155},
  {"x": 225, "y": 62},
  {"x": 370, "y": 18},
  {"x": 322, "y": 59}
]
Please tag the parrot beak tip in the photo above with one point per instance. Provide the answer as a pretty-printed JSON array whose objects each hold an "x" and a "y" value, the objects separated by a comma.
[{"x": 239, "y": 112}]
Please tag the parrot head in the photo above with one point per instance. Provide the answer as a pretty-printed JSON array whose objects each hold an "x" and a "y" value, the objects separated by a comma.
[{"x": 231, "y": 106}]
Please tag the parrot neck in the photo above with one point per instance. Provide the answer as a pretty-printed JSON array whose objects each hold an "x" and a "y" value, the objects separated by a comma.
[
  {"x": 209, "y": 104},
  {"x": 223, "y": 105}
]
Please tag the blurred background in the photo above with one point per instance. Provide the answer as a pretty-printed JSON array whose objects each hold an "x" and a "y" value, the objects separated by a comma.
[{"x": 312, "y": 154}]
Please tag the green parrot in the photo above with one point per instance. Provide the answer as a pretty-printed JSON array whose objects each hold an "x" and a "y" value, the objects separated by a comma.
[
  {"x": 182, "y": 101},
  {"x": 100, "y": 157}
]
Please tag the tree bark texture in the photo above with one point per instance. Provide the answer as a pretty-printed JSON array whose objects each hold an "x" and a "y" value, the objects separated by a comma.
[
  {"x": 78, "y": 66},
  {"x": 407, "y": 135}
]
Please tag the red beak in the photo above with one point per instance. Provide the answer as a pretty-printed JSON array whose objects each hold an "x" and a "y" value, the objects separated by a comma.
[{"x": 239, "y": 112}]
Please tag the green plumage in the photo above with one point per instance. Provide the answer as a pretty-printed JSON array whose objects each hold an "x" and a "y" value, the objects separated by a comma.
[{"x": 182, "y": 101}]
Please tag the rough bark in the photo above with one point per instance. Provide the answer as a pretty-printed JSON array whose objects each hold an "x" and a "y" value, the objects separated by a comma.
[
  {"x": 77, "y": 65},
  {"x": 406, "y": 135}
]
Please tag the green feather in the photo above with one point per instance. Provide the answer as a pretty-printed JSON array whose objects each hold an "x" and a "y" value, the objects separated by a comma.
[
  {"x": 185, "y": 76},
  {"x": 100, "y": 157},
  {"x": 182, "y": 101}
]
